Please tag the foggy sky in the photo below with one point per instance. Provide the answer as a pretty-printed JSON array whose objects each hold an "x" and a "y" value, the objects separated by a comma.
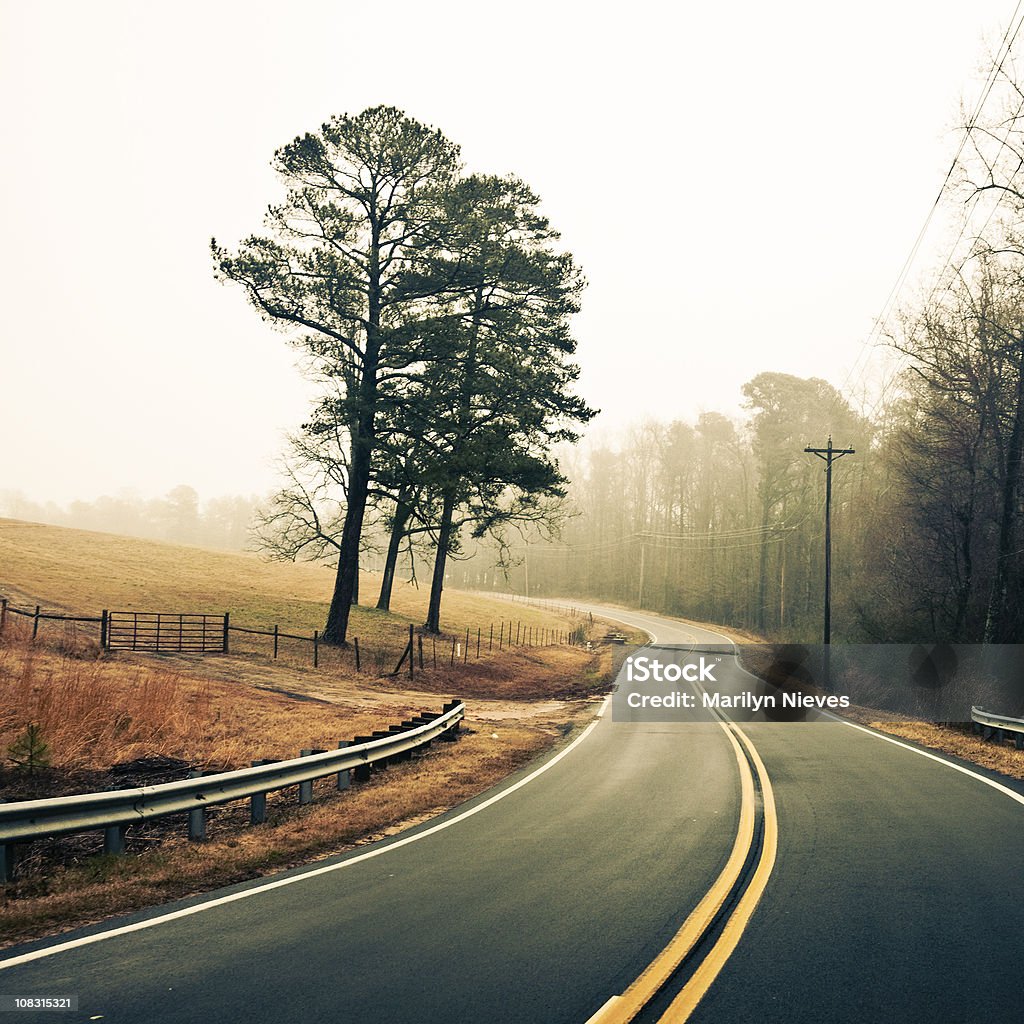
[{"x": 739, "y": 184}]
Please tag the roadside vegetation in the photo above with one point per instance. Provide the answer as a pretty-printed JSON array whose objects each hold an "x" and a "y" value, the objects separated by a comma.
[{"x": 91, "y": 719}]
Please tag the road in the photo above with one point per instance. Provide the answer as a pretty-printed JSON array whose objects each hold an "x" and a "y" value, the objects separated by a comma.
[{"x": 894, "y": 896}]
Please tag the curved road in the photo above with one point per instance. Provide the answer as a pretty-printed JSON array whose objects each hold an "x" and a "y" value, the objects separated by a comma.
[{"x": 895, "y": 896}]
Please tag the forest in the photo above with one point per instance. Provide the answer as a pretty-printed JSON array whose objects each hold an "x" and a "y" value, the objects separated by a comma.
[{"x": 722, "y": 519}]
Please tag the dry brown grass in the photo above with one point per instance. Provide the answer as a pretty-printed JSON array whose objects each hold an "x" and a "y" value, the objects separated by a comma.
[
  {"x": 98, "y": 712},
  {"x": 82, "y": 572},
  {"x": 95, "y": 710},
  {"x": 944, "y": 739},
  {"x": 99, "y": 886}
]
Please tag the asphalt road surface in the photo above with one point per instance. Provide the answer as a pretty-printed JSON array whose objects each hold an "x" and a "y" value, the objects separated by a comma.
[{"x": 895, "y": 895}]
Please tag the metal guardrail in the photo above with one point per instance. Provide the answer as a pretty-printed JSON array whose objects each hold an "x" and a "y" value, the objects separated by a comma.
[
  {"x": 998, "y": 725},
  {"x": 26, "y": 820}
]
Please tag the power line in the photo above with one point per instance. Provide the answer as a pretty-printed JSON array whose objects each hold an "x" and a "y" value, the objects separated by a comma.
[{"x": 1003, "y": 51}]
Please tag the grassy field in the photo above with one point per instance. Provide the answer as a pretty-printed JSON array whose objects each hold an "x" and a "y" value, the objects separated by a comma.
[
  {"x": 102, "y": 714},
  {"x": 79, "y": 571}
]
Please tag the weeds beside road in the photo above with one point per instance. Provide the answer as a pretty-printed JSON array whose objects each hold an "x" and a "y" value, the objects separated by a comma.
[{"x": 100, "y": 715}]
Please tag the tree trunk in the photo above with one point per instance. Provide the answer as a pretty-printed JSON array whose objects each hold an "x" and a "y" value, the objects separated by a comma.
[
  {"x": 398, "y": 523},
  {"x": 363, "y": 431},
  {"x": 336, "y": 628},
  {"x": 444, "y": 536},
  {"x": 1000, "y": 623}
]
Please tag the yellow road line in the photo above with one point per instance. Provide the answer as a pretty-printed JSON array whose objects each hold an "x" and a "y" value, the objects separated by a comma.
[
  {"x": 686, "y": 1002},
  {"x": 624, "y": 1008}
]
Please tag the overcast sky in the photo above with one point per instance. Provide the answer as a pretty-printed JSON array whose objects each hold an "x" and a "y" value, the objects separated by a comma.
[{"x": 740, "y": 184}]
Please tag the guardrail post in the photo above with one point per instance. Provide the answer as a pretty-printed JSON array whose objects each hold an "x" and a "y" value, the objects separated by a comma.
[
  {"x": 258, "y": 801},
  {"x": 306, "y": 788},
  {"x": 6, "y": 862},
  {"x": 362, "y": 771},
  {"x": 451, "y": 734},
  {"x": 113, "y": 839},
  {"x": 381, "y": 761},
  {"x": 405, "y": 755},
  {"x": 344, "y": 777},
  {"x": 197, "y": 816}
]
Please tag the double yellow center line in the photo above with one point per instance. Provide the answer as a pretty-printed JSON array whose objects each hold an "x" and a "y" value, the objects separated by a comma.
[{"x": 624, "y": 1008}]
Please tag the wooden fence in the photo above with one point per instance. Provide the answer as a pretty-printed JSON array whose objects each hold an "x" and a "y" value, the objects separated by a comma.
[{"x": 202, "y": 633}]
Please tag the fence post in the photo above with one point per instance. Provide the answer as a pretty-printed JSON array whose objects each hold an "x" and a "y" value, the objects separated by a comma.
[
  {"x": 478, "y": 643},
  {"x": 465, "y": 653},
  {"x": 490, "y": 639},
  {"x": 412, "y": 654},
  {"x": 420, "y": 639},
  {"x": 501, "y": 634},
  {"x": 35, "y": 623},
  {"x": 227, "y": 626},
  {"x": 452, "y": 661},
  {"x": 306, "y": 788},
  {"x": 355, "y": 643},
  {"x": 277, "y": 630},
  {"x": 316, "y": 649},
  {"x": 344, "y": 775},
  {"x": 3, "y": 613},
  {"x": 197, "y": 816}
]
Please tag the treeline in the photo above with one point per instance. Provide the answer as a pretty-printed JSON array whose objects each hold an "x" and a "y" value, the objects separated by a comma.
[
  {"x": 179, "y": 517},
  {"x": 433, "y": 307},
  {"x": 723, "y": 520},
  {"x": 718, "y": 520}
]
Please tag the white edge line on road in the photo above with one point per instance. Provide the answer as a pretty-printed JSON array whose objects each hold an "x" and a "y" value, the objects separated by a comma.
[
  {"x": 1005, "y": 790},
  {"x": 86, "y": 940}
]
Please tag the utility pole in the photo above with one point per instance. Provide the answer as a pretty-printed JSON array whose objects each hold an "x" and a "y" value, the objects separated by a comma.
[
  {"x": 829, "y": 455},
  {"x": 640, "y": 596}
]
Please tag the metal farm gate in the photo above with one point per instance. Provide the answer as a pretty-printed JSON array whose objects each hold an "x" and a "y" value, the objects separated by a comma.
[{"x": 189, "y": 632}]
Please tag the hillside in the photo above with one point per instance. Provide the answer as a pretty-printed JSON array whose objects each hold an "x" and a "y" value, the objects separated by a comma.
[
  {"x": 105, "y": 715},
  {"x": 80, "y": 571}
]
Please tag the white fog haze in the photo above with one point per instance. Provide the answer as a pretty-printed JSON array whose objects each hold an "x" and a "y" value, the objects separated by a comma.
[{"x": 740, "y": 186}]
